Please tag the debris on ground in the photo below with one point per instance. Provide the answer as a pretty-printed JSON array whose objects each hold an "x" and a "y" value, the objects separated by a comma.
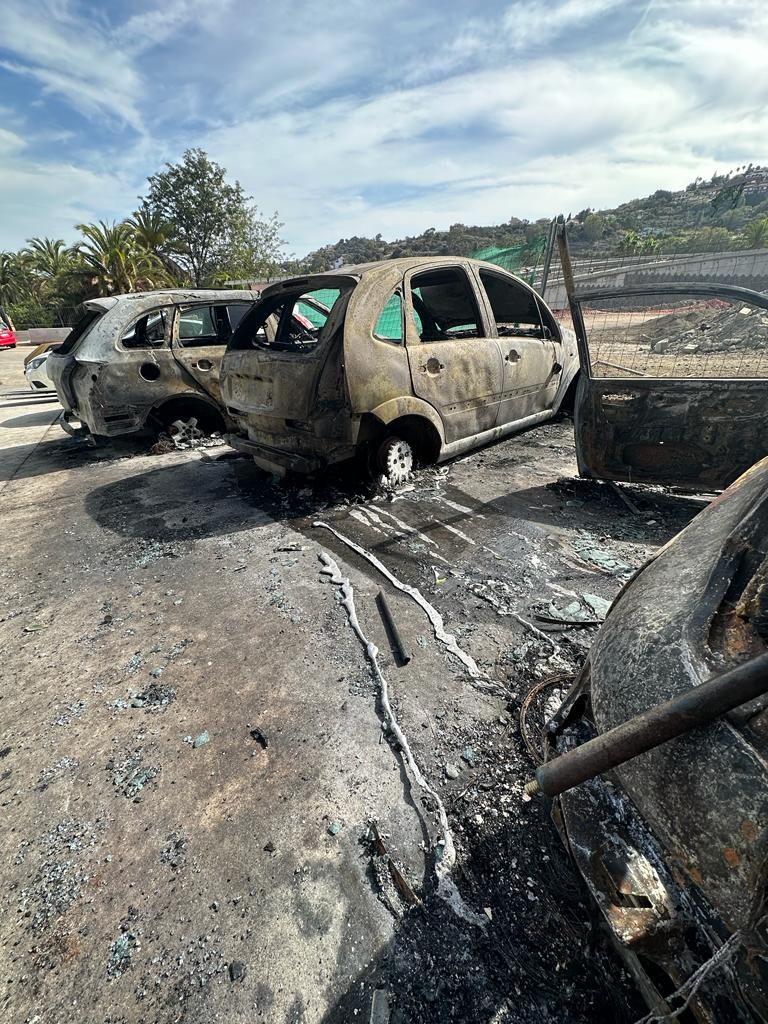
[
  {"x": 153, "y": 697},
  {"x": 131, "y": 775}
]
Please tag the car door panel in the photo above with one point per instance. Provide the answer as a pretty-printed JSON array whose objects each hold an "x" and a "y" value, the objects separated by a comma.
[
  {"x": 688, "y": 410},
  {"x": 695, "y": 433},
  {"x": 200, "y": 337},
  {"x": 461, "y": 377},
  {"x": 529, "y": 342}
]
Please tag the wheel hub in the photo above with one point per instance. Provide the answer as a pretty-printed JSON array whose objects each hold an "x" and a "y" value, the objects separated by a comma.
[{"x": 396, "y": 461}]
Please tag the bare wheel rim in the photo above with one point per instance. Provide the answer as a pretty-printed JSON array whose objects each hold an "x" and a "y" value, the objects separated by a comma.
[
  {"x": 185, "y": 431},
  {"x": 395, "y": 459}
]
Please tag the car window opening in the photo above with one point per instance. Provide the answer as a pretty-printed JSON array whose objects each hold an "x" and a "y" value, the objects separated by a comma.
[
  {"x": 149, "y": 331},
  {"x": 292, "y": 323},
  {"x": 389, "y": 326},
  {"x": 444, "y": 306},
  {"x": 516, "y": 311}
]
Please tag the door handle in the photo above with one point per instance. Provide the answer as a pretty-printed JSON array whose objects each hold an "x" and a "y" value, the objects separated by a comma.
[
  {"x": 512, "y": 356},
  {"x": 203, "y": 364}
]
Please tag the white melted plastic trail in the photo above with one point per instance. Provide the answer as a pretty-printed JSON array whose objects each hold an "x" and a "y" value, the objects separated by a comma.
[
  {"x": 445, "y": 859},
  {"x": 360, "y": 516},
  {"x": 455, "y": 531},
  {"x": 432, "y": 613}
]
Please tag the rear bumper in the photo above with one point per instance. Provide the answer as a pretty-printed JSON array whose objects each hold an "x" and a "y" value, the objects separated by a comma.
[{"x": 275, "y": 460}]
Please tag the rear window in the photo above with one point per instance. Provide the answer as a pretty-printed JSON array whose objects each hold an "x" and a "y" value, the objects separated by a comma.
[
  {"x": 291, "y": 322},
  {"x": 84, "y": 323}
]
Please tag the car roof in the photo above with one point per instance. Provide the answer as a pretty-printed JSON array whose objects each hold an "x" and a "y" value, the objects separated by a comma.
[
  {"x": 173, "y": 295},
  {"x": 368, "y": 272}
]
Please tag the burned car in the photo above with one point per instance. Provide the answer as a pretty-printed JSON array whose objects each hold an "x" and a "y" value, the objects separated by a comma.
[
  {"x": 402, "y": 360},
  {"x": 147, "y": 361},
  {"x": 672, "y": 843}
]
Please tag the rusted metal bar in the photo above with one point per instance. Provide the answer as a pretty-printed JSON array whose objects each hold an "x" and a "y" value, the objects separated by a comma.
[
  {"x": 402, "y": 652},
  {"x": 548, "y": 257},
  {"x": 697, "y": 706},
  {"x": 573, "y": 302}
]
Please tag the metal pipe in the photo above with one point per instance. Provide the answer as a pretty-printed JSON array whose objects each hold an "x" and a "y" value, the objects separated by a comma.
[
  {"x": 573, "y": 303},
  {"x": 402, "y": 652},
  {"x": 697, "y": 706}
]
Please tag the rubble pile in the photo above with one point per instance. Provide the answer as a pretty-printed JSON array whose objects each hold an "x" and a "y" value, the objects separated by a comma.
[{"x": 708, "y": 330}]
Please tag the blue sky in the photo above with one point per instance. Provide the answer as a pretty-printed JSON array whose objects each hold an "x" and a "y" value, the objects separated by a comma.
[{"x": 357, "y": 117}]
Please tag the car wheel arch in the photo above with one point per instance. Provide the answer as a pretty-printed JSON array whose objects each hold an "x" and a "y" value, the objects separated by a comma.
[{"x": 185, "y": 406}]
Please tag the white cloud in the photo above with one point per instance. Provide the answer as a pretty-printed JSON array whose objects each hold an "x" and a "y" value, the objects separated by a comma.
[
  {"x": 530, "y": 23},
  {"x": 353, "y": 118},
  {"x": 71, "y": 57}
]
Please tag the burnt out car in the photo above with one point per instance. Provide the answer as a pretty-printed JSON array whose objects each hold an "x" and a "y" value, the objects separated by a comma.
[
  {"x": 673, "y": 843},
  {"x": 402, "y": 360},
  {"x": 147, "y": 361}
]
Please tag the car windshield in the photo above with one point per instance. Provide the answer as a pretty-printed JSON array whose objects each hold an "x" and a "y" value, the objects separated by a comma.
[{"x": 293, "y": 322}]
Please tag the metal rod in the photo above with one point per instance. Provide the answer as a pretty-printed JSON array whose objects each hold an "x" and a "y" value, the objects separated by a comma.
[
  {"x": 573, "y": 303},
  {"x": 402, "y": 652},
  {"x": 548, "y": 256},
  {"x": 697, "y": 706}
]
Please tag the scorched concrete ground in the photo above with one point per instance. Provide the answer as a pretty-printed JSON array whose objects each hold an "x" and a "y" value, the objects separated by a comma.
[{"x": 194, "y": 757}]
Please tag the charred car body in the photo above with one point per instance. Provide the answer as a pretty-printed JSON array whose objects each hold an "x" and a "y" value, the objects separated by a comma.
[
  {"x": 410, "y": 358},
  {"x": 673, "y": 844},
  {"x": 148, "y": 361}
]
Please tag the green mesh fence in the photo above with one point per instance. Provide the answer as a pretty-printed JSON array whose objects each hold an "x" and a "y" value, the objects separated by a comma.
[{"x": 523, "y": 260}]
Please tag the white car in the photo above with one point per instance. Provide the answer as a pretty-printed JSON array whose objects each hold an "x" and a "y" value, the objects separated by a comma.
[{"x": 36, "y": 372}]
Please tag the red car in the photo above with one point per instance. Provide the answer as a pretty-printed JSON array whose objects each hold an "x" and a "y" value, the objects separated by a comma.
[{"x": 7, "y": 337}]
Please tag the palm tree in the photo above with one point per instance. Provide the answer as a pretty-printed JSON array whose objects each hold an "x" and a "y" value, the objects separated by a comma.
[
  {"x": 154, "y": 234},
  {"x": 49, "y": 257},
  {"x": 15, "y": 280},
  {"x": 112, "y": 256},
  {"x": 756, "y": 234}
]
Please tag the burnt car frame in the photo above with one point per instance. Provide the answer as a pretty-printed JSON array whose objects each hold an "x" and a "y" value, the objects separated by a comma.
[
  {"x": 673, "y": 844},
  {"x": 418, "y": 358},
  {"x": 147, "y": 362}
]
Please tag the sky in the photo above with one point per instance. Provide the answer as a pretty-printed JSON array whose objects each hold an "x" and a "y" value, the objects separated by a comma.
[{"x": 355, "y": 117}]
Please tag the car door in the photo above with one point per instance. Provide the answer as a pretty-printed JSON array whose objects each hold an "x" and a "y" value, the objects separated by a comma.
[
  {"x": 674, "y": 383},
  {"x": 455, "y": 362},
  {"x": 530, "y": 342},
  {"x": 200, "y": 335}
]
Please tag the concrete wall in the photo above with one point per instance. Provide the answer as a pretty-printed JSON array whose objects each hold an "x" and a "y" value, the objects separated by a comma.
[
  {"x": 747, "y": 268},
  {"x": 37, "y": 335}
]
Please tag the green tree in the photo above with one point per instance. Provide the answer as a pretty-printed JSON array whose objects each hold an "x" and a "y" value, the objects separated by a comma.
[
  {"x": 115, "y": 261},
  {"x": 255, "y": 248},
  {"x": 756, "y": 234},
  {"x": 16, "y": 281},
  {"x": 214, "y": 224},
  {"x": 48, "y": 257}
]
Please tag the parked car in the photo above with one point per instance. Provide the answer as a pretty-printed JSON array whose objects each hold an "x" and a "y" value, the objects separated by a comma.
[
  {"x": 40, "y": 349},
  {"x": 147, "y": 362},
  {"x": 673, "y": 843},
  {"x": 419, "y": 358},
  {"x": 36, "y": 372},
  {"x": 7, "y": 337}
]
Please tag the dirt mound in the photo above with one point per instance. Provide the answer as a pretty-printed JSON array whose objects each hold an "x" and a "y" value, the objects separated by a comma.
[{"x": 708, "y": 330}]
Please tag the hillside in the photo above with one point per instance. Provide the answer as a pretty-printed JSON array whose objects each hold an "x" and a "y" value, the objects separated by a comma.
[{"x": 723, "y": 212}]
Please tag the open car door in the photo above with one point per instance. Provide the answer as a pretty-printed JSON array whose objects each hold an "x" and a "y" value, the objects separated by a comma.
[{"x": 674, "y": 383}]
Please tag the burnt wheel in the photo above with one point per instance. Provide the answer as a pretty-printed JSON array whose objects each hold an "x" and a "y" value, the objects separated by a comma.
[{"x": 394, "y": 461}]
